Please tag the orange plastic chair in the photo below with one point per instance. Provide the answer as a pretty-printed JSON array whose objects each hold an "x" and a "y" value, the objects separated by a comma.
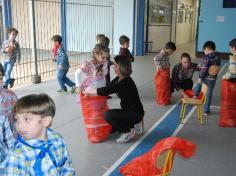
[
  {"x": 165, "y": 162},
  {"x": 194, "y": 102}
]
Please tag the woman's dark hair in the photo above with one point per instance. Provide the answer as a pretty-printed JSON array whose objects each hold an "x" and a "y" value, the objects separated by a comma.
[
  {"x": 125, "y": 65},
  {"x": 185, "y": 55}
]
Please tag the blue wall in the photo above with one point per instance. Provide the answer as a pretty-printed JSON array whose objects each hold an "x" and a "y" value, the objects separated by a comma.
[{"x": 211, "y": 29}]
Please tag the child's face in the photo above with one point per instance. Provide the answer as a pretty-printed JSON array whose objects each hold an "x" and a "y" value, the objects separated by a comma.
[
  {"x": 169, "y": 51},
  {"x": 125, "y": 45},
  {"x": 101, "y": 58},
  {"x": 207, "y": 50},
  {"x": 32, "y": 126},
  {"x": 12, "y": 35},
  {"x": 233, "y": 50},
  {"x": 55, "y": 43}
]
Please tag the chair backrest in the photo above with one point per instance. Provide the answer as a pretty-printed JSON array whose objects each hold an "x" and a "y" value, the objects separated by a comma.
[
  {"x": 204, "y": 91},
  {"x": 165, "y": 162}
]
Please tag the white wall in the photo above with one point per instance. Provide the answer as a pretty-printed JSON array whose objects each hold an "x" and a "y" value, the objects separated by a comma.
[
  {"x": 123, "y": 22},
  {"x": 184, "y": 30}
]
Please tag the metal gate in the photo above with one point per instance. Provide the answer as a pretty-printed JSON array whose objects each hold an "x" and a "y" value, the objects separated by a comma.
[{"x": 78, "y": 21}]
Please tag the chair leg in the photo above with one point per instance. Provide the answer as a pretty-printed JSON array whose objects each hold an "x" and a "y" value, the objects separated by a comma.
[
  {"x": 182, "y": 110},
  {"x": 201, "y": 115},
  {"x": 198, "y": 112},
  {"x": 183, "y": 113}
]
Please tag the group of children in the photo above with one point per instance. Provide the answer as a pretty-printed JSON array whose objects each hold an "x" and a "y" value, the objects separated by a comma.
[
  {"x": 208, "y": 70},
  {"x": 28, "y": 145}
]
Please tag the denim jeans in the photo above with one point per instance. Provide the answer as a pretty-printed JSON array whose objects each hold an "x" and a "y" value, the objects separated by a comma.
[
  {"x": 7, "y": 66},
  {"x": 210, "y": 85},
  {"x": 63, "y": 79}
]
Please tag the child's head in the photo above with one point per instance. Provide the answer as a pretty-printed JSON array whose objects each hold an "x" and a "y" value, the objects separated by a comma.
[
  {"x": 33, "y": 115},
  {"x": 57, "y": 39},
  {"x": 122, "y": 66},
  {"x": 232, "y": 45},
  {"x": 99, "y": 53},
  {"x": 124, "y": 41},
  {"x": 107, "y": 42},
  {"x": 185, "y": 60},
  {"x": 209, "y": 47},
  {"x": 1, "y": 75},
  {"x": 169, "y": 48},
  {"x": 100, "y": 38},
  {"x": 12, "y": 33}
]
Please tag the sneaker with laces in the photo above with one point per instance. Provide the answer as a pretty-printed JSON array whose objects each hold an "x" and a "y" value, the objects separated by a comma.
[
  {"x": 125, "y": 137},
  {"x": 62, "y": 91},
  {"x": 139, "y": 127}
]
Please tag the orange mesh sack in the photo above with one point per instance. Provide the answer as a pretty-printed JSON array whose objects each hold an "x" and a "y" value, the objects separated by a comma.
[
  {"x": 145, "y": 165},
  {"x": 93, "y": 109},
  {"x": 163, "y": 87},
  {"x": 228, "y": 104}
]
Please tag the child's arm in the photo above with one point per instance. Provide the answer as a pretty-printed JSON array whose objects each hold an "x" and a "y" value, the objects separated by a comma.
[
  {"x": 157, "y": 60},
  {"x": 65, "y": 165},
  {"x": 203, "y": 68},
  {"x": 5, "y": 47},
  {"x": 80, "y": 77},
  {"x": 13, "y": 165}
]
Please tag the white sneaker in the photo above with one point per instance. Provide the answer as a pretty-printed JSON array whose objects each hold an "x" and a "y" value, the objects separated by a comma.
[
  {"x": 139, "y": 127},
  {"x": 125, "y": 137}
]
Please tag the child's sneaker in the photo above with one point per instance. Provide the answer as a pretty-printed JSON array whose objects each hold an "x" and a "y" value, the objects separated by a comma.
[
  {"x": 62, "y": 91},
  {"x": 125, "y": 137},
  {"x": 12, "y": 82},
  {"x": 139, "y": 127},
  {"x": 73, "y": 89}
]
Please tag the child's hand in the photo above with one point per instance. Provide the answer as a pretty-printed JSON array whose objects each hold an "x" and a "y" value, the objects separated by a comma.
[{"x": 10, "y": 48}]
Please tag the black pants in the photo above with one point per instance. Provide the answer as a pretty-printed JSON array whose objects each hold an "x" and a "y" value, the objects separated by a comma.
[
  {"x": 186, "y": 85},
  {"x": 122, "y": 120}
]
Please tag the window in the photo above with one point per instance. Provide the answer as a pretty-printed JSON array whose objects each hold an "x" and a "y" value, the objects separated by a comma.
[{"x": 160, "y": 12}]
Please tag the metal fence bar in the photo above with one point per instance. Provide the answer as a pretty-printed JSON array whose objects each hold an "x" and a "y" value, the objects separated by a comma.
[{"x": 84, "y": 20}]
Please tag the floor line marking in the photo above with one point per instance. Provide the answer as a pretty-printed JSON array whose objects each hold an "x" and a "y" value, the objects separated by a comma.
[
  {"x": 111, "y": 169},
  {"x": 116, "y": 164}
]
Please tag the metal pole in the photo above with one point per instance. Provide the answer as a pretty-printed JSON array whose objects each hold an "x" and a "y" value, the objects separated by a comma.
[
  {"x": 35, "y": 78},
  {"x": 147, "y": 28}
]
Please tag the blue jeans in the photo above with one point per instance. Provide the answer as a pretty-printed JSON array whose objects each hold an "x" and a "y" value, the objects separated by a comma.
[
  {"x": 210, "y": 85},
  {"x": 63, "y": 79},
  {"x": 7, "y": 66}
]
